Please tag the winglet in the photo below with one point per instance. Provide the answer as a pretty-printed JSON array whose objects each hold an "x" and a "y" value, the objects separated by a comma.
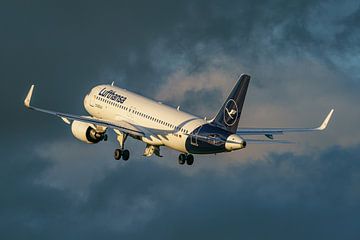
[
  {"x": 28, "y": 97},
  {"x": 326, "y": 121}
]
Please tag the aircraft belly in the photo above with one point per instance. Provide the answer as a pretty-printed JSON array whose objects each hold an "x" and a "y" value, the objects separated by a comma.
[
  {"x": 204, "y": 148},
  {"x": 195, "y": 144},
  {"x": 175, "y": 142}
]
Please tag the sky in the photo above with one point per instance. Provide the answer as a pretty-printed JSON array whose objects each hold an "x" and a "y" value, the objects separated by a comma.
[{"x": 303, "y": 57}]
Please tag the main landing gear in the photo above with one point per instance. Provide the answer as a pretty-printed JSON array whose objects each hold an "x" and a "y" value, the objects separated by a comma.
[
  {"x": 124, "y": 153},
  {"x": 188, "y": 158}
]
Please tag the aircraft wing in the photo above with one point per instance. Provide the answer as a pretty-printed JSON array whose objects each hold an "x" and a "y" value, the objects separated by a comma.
[
  {"x": 122, "y": 126},
  {"x": 269, "y": 132}
]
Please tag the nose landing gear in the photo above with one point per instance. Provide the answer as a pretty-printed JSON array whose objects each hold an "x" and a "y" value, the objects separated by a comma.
[{"x": 188, "y": 158}]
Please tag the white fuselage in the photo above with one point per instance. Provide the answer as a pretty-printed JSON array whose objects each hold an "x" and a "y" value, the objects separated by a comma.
[{"x": 114, "y": 104}]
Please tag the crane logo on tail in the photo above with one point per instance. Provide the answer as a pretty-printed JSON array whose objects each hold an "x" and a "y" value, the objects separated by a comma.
[{"x": 231, "y": 112}]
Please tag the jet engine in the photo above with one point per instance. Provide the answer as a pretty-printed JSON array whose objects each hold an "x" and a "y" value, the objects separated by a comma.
[{"x": 86, "y": 132}]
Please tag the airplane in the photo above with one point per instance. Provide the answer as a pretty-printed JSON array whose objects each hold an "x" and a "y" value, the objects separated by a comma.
[{"x": 157, "y": 125}]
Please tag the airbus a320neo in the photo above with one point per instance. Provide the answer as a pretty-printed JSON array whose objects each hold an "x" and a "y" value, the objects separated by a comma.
[{"x": 157, "y": 125}]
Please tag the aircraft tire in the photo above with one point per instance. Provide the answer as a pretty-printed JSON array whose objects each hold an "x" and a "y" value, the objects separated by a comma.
[
  {"x": 182, "y": 159},
  {"x": 126, "y": 155},
  {"x": 189, "y": 159},
  {"x": 117, "y": 154}
]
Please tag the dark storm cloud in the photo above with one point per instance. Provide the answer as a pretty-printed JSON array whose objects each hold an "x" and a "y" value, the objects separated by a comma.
[
  {"x": 71, "y": 46},
  {"x": 211, "y": 98},
  {"x": 284, "y": 196},
  {"x": 261, "y": 31},
  {"x": 65, "y": 48},
  {"x": 58, "y": 45}
]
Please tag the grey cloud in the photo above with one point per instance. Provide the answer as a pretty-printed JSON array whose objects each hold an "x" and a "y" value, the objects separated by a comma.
[
  {"x": 282, "y": 196},
  {"x": 65, "y": 48},
  {"x": 207, "y": 99},
  {"x": 74, "y": 46},
  {"x": 268, "y": 30},
  {"x": 61, "y": 46}
]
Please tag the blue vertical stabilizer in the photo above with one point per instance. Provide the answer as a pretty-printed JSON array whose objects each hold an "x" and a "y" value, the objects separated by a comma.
[{"x": 229, "y": 115}]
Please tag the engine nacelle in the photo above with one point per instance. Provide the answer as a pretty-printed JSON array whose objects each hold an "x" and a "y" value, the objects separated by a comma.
[{"x": 86, "y": 132}]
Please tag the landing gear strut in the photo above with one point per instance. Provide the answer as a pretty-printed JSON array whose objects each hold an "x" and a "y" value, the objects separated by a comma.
[
  {"x": 188, "y": 158},
  {"x": 124, "y": 153}
]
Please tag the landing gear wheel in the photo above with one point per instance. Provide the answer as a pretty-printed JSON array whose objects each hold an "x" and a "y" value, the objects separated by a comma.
[
  {"x": 126, "y": 155},
  {"x": 182, "y": 159},
  {"x": 117, "y": 154},
  {"x": 189, "y": 159}
]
